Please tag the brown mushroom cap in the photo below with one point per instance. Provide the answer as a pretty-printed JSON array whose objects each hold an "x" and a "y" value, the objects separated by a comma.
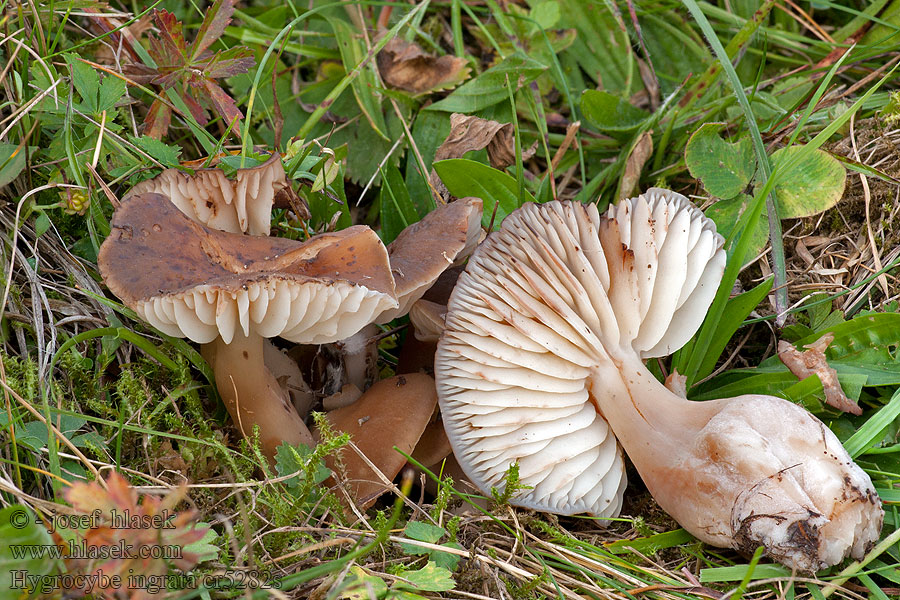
[
  {"x": 189, "y": 280},
  {"x": 393, "y": 412},
  {"x": 243, "y": 205},
  {"x": 426, "y": 249}
]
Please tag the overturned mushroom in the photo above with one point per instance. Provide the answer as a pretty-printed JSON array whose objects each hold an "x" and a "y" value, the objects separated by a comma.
[
  {"x": 230, "y": 291},
  {"x": 242, "y": 205},
  {"x": 545, "y": 335}
]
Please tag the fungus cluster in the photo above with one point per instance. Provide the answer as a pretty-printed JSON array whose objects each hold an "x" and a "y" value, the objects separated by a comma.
[
  {"x": 541, "y": 361},
  {"x": 208, "y": 271}
]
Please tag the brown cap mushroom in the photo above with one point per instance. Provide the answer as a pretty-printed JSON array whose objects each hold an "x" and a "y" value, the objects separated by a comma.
[
  {"x": 427, "y": 248},
  {"x": 230, "y": 291},
  {"x": 393, "y": 412},
  {"x": 544, "y": 338},
  {"x": 243, "y": 205}
]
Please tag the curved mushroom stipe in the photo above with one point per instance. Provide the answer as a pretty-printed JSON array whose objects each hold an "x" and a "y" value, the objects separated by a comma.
[
  {"x": 252, "y": 395},
  {"x": 188, "y": 280},
  {"x": 544, "y": 337},
  {"x": 242, "y": 205}
]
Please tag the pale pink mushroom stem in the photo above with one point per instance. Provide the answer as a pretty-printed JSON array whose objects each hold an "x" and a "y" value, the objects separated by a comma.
[{"x": 252, "y": 395}]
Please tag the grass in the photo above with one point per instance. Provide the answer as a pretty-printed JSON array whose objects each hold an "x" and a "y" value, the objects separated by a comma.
[{"x": 88, "y": 389}]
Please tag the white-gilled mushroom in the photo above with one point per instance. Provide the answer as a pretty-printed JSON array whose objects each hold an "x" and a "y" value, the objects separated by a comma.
[
  {"x": 545, "y": 335},
  {"x": 241, "y": 205},
  {"x": 230, "y": 291}
]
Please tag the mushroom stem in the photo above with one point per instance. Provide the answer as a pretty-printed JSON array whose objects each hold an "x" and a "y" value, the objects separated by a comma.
[
  {"x": 251, "y": 393},
  {"x": 741, "y": 472}
]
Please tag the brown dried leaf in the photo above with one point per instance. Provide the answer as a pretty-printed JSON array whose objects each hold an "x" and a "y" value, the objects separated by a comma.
[
  {"x": 812, "y": 362},
  {"x": 405, "y": 66},
  {"x": 468, "y": 133},
  {"x": 634, "y": 164}
]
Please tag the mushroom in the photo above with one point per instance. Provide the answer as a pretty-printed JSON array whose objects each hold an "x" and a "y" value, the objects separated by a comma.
[
  {"x": 544, "y": 340},
  {"x": 231, "y": 291},
  {"x": 393, "y": 412},
  {"x": 424, "y": 250},
  {"x": 243, "y": 205},
  {"x": 419, "y": 256}
]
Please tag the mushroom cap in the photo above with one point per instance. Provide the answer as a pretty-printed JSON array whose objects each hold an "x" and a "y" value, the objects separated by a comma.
[
  {"x": 543, "y": 301},
  {"x": 243, "y": 205},
  {"x": 427, "y": 248},
  {"x": 428, "y": 320},
  {"x": 188, "y": 280},
  {"x": 393, "y": 412}
]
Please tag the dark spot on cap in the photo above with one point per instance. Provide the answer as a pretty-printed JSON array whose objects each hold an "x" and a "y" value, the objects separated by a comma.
[
  {"x": 401, "y": 380},
  {"x": 246, "y": 354}
]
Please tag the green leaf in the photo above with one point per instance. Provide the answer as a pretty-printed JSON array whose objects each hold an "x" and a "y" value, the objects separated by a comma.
[
  {"x": 726, "y": 213},
  {"x": 610, "y": 113},
  {"x": 430, "y": 578},
  {"x": 205, "y": 548},
  {"x": 490, "y": 87},
  {"x": 164, "y": 153},
  {"x": 41, "y": 224},
  {"x": 291, "y": 459},
  {"x": 353, "y": 52},
  {"x": 812, "y": 185},
  {"x": 423, "y": 532},
  {"x": 736, "y": 310},
  {"x": 86, "y": 82},
  {"x": 359, "y": 585},
  {"x": 464, "y": 177},
  {"x": 651, "y": 544},
  {"x": 12, "y": 162},
  {"x": 426, "y": 532},
  {"x": 397, "y": 209},
  {"x": 111, "y": 91},
  {"x": 20, "y": 532},
  {"x": 725, "y": 169},
  {"x": 601, "y": 48}
]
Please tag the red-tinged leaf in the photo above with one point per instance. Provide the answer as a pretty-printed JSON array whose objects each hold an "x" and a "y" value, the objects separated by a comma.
[
  {"x": 172, "y": 38},
  {"x": 216, "y": 19},
  {"x": 158, "y": 120},
  {"x": 163, "y": 57},
  {"x": 140, "y": 73},
  {"x": 196, "y": 109},
  {"x": 228, "y": 63},
  {"x": 168, "y": 78},
  {"x": 224, "y": 105}
]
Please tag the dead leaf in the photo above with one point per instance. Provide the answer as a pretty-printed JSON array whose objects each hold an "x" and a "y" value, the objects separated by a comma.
[
  {"x": 131, "y": 536},
  {"x": 634, "y": 164},
  {"x": 405, "y": 66},
  {"x": 468, "y": 133},
  {"x": 812, "y": 362}
]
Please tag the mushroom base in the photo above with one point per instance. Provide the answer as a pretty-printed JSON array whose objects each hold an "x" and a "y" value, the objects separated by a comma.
[
  {"x": 252, "y": 395},
  {"x": 744, "y": 472}
]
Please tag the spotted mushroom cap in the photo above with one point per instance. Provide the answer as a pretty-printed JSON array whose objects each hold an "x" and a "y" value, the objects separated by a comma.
[
  {"x": 242, "y": 205},
  {"x": 427, "y": 248},
  {"x": 189, "y": 280},
  {"x": 545, "y": 300}
]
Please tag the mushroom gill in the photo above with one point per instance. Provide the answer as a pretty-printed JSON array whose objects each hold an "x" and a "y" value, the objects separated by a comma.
[{"x": 542, "y": 354}]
